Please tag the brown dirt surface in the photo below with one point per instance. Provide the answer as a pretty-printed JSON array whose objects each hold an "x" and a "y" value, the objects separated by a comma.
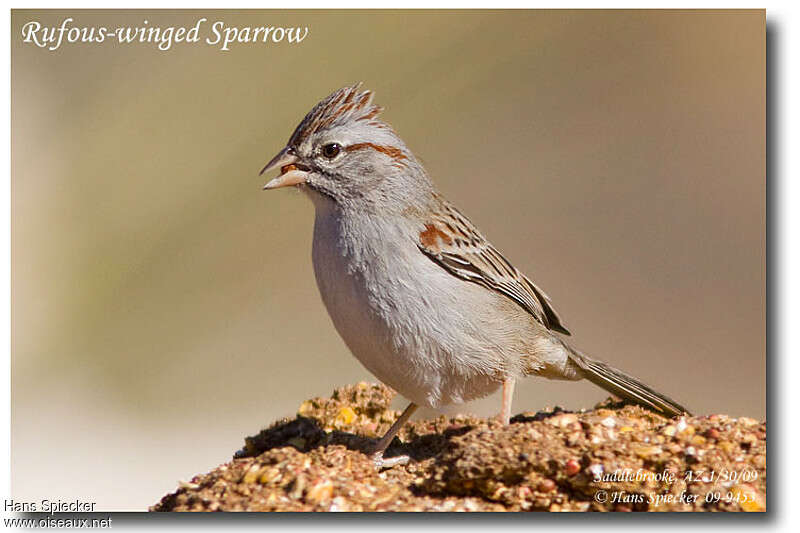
[{"x": 614, "y": 457}]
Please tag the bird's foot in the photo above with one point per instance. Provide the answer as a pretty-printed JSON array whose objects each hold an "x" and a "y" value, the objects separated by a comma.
[{"x": 382, "y": 462}]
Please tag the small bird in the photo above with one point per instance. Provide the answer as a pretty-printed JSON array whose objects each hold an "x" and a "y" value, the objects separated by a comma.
[{"x": 418, "y": 294}]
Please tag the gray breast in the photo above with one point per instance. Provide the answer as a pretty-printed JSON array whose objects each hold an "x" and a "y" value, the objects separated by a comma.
[{"x": 433, "y": 337}]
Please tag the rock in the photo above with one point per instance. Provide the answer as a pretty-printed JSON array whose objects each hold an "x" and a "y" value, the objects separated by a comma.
[{"x": 551, "y": 460}]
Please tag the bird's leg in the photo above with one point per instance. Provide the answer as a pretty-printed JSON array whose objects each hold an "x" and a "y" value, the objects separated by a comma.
[
  {"x": 508, "y": 395},
  {"x": 377, "y": 453}
]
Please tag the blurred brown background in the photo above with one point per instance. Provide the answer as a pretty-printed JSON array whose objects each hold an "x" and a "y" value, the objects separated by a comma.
[{"x": 163, "y": 307}]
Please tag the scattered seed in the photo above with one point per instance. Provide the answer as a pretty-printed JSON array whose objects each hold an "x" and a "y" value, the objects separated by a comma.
[
  {"x": 547, "y": 485},
  {"x": 572, "y": 467}
]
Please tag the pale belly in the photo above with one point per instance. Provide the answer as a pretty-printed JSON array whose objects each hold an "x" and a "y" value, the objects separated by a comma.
[{"x": 406, "y": 324}]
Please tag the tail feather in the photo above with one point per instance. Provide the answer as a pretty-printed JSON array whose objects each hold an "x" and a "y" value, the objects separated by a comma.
[{"x": 626, "y": 386}]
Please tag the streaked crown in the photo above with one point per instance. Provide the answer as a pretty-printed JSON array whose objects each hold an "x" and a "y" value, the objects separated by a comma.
[{"x": 343, "y": 106}]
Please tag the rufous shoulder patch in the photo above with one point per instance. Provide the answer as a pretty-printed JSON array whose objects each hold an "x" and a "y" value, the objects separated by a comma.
[{"x": 433, "y": 238}]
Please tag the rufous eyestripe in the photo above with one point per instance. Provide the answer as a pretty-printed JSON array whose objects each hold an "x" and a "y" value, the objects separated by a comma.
[{"x": 395, "y": 153}]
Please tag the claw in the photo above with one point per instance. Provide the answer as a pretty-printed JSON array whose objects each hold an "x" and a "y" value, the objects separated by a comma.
[{"x": 381, "y": 462}]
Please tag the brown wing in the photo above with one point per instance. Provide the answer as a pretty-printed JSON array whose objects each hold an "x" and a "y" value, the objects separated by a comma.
[{"x": 451, "y": 240}]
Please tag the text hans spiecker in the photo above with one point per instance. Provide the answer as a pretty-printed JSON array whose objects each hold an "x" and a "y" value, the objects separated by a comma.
[{"x": 48, "y": 506}]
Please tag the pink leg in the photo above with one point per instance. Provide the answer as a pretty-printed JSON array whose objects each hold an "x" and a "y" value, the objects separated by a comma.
[{"x": 508, "y": 395}]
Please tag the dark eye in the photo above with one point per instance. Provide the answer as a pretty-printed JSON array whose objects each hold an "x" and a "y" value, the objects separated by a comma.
[{"x": 331, "y": 150}]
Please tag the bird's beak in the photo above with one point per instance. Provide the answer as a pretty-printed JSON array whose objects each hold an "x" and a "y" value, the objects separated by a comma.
[{"x": 292, "y": 172}]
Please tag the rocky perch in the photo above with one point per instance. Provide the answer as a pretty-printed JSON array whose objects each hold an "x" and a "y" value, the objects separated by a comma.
[{"x": 613, "y": 458}]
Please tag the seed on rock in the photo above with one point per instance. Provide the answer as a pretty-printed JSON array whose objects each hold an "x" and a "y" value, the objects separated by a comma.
[
  {"x": 609, "y": 422},
  {"x": 252, "y": 474},
  {"x": 572, "y": 467},
  {"x": 339, "y": 505},
  {"x": 726, "y": 446},
  {"x": 320, "y": 492},
  {"x": 299, "y": 487},
  {"x": 547, "y": 485},
  {"x": 563, "y": 421},
  {"x": 749, "y": 438},
  {"x": 574, "y": 438},
  {"x": 344, "y": 417},
  {"x": 306, "y": 408},
  {"x": 749, "y": 499},
  {"x": 269, "y": 475},
  {"x": 698, "y": 440},
  {"x": 647, "y": 451}
]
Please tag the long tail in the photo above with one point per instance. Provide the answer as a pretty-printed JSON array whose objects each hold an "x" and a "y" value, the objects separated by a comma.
[{"x": 626, "y": 386}]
